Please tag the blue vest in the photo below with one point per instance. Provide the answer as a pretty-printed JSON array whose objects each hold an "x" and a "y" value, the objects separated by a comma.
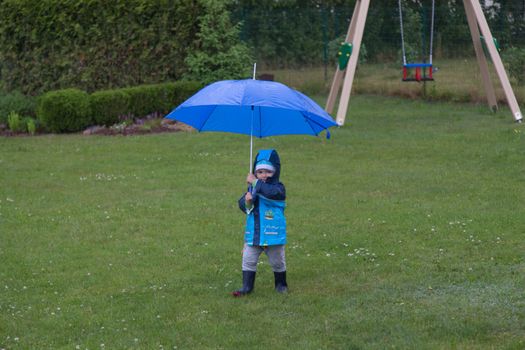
[{"x": 272, "y": 223}]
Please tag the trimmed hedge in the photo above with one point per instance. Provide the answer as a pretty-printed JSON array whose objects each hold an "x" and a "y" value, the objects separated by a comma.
[
  {"x": 159, "y": 98},
  {"x": 93, "y": 45},
  {"x": 73, "y": 110},
  {"x": 108, "y": 106},
  {"x": 64, "y": 110},
  {"x": 144, "y": 99}
]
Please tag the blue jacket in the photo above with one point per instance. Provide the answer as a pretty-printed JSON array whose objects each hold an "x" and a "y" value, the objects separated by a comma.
[{"x": 265, "y": 222}]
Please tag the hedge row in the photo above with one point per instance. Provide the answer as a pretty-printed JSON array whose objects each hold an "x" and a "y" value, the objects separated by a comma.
[
  {"x": 72, "y": 110},
  {"x": 93, "y": 45}
]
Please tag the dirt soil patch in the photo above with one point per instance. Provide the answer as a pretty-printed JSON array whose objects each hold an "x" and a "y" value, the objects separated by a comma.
[{"x": 139, "y": 127}]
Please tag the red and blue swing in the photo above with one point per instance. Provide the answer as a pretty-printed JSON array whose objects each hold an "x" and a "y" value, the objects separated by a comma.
[{"x": 422, "y": 70}]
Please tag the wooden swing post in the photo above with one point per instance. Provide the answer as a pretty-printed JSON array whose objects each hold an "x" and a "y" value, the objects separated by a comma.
[
  {"x": 354, "y": 36},
  {"x": 476, "y": 19},
  {"x": 477, "y": 25}
]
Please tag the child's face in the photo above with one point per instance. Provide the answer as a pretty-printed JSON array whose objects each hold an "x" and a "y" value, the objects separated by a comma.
[{"x": 263, "y": 174}]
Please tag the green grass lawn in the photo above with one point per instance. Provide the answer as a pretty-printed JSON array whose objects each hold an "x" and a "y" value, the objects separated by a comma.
[
  {"x": 456, "y": 80},
  {"x": 405, "y": 231}
]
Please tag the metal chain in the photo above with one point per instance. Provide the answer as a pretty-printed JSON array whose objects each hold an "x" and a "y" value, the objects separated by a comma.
[
  {"x": 432, "y": 30},
  {"x": 402, "y": 34}
]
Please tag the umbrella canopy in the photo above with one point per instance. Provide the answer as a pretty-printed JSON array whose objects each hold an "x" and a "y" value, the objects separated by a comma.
[{"x": 252, "y": 107}]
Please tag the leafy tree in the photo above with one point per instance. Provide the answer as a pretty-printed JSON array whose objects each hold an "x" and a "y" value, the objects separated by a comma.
[{"x": 218, "y": 51}]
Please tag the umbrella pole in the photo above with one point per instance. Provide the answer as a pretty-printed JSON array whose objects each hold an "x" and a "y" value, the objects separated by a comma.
[
  {"x": 251, "y": 126},
  {"x": 251, "y": 154},
  {"x": 251, "y": 151},
  {"x": 251, "y": 145}
]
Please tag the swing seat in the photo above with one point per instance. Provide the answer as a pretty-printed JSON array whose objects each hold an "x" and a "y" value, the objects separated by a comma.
[{"x": 418, "y": 70}]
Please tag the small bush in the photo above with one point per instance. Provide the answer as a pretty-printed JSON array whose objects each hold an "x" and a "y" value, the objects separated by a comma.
[
  {"x": 64, "y": 110},
  {"x": 16, "y": 102},
  {"x": 109, "y": 105},
  {"x": 30, "y": 125},
  {"x": 143, "y": 99},
  {"x": 73, "y": 110},
  {"x": 160, "y": 98},
  {"x": 515, "y": 62},
  {"x": 183, "y": 90},
  {"x": 170, "y": 95},
  {"x": 14, "y": 122}
]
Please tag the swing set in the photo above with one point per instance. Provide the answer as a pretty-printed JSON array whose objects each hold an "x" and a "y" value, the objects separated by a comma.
[
  {"x": 422, "y": 67},
  {"x": 481, "y": 38}
]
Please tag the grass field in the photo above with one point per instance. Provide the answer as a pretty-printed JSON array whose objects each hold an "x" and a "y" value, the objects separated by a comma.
[
  {"x": 405, "y": 232},
  {"x": 456, "y": 80}
]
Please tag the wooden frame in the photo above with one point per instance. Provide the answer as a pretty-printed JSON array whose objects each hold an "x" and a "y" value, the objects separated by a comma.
[{"x": 477, "y": 25}]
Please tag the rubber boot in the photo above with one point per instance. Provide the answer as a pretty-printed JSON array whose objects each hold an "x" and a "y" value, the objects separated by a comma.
[
  {"x": 248, "y": 280},
  {"x": 280, "y": 282}
]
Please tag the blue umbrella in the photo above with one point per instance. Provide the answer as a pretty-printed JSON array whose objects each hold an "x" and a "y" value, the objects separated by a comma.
[{"x": 253, "y": 107}]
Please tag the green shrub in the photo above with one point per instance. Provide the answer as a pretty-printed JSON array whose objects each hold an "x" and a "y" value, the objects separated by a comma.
[
  {"x": 108, "y": 105},
  {"x": 143, "y": 100},
  {"x": 14, "y": 122},
  {"x": 16, "y": 102},
  {"x": 73, "y": 110},
  {"x": 64, "y": 110},
  {"x": 515, "y": 61},
  {"x": 183, "y": 90},
  {"x": 127, "y": 43},
  {"x": 159, "y": 98},
  {"x": 30, "y": 125},
  {"x": 170, "y": 95},
  {"x": 166, "y": 97},
  {"x": 217, "y": 53}
]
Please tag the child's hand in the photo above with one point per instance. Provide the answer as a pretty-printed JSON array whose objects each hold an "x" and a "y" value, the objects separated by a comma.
[
  {"x": 250, "y": 178},
  {"x": 248, "y": 197}
]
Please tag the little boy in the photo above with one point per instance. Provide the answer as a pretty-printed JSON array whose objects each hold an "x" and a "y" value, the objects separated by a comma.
[{"x": 265, "y": 231}]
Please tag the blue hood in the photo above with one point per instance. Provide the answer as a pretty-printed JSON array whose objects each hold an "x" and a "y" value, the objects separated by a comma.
[{"x": 271, "y": 156}]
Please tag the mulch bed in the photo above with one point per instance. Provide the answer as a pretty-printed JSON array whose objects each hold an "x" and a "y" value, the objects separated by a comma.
[{"x": 120, "y": 129}]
